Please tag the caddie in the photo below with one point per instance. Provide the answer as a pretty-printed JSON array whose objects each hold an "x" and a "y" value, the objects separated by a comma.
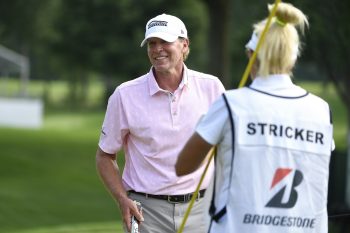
[{"x": 274, "y": 141}]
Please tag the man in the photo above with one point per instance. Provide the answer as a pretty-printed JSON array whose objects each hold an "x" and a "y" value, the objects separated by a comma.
[{"x": 151, "y": 118}]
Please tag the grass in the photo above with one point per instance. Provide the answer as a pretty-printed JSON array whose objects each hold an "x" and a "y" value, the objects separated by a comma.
[
  {"x": 48, "y": 178},
  {"x": 102, "y": 227}
]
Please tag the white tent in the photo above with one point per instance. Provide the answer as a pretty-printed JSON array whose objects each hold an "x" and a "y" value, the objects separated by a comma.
[
  {"x": 21, "y": 62},
  {"x": 21, "y": 111}
]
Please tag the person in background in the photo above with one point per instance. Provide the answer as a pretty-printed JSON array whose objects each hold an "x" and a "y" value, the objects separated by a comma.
[
  {"x": 150, "y": 118},
  {"x": 274, "y": 141}
]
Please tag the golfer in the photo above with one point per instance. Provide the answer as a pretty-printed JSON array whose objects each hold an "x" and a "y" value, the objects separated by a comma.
[
  {"x": 150, "y": 118},
  {"x": 274, "y": 142}
]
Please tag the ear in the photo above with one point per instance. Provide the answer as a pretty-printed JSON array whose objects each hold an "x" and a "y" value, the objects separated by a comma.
[{"x": 186, "y": 44}]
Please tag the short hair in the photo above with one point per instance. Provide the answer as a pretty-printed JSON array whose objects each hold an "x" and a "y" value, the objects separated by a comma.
[
  {"x": 185, "y": 54},
  {"x": 281, "y": 46}
]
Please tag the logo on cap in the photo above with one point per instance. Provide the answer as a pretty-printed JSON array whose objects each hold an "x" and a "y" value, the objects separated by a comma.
[{"x": 157, "y": 23}]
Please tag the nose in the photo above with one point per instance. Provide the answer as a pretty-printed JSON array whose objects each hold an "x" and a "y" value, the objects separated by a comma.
[{"x": 158, "y": 47}]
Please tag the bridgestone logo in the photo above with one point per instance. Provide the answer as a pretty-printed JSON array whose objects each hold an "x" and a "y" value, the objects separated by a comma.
[
  {"x": 157, "y": 23},
  {"x": 276, "y": 200},
  {"x": 281, "y": 221}
]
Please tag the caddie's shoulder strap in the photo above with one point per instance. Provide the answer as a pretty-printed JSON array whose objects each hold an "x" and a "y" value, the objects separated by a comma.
[{"x": 216, "y": 216}]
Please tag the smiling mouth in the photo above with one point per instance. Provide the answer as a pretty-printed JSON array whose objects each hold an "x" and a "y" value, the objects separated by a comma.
[{"x": 160, "y": 58}]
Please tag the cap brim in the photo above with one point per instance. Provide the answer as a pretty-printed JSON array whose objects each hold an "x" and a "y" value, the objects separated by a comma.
[
  {"x": 164, "y": 36},
  {"x": 253, "y": 42},
  {"x": 250, "y": 45}
]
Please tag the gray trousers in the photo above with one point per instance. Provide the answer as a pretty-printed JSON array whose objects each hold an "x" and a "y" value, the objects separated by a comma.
[{"x": 164, "y": 217}]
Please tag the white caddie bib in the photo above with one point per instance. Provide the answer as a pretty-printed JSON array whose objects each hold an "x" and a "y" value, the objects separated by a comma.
[{"x": 279, "y": 173}]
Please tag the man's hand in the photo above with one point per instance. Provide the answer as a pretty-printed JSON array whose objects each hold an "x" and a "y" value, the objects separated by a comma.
[{"x": 129, "y": 208}]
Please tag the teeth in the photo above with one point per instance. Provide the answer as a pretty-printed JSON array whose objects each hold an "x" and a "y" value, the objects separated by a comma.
[{"x": 160, "y": 58}]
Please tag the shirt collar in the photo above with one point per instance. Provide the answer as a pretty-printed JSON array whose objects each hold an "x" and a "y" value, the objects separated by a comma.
[
  {"x": 154, "y": 87},
  {"x": 272, "y": 82},
  {"x": 279, "y": 84}
]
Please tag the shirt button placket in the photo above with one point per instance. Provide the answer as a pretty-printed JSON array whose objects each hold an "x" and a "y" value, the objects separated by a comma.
[{"x": 174, "y": 106}]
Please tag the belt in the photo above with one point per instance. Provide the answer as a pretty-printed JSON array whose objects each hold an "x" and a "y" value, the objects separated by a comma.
[{"x": 172, "y": 198}]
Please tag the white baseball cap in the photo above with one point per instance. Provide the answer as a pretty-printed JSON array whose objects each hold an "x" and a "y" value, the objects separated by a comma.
[
  {"x": 165, "y": 27},
  {"x": 253, "y": 42}
]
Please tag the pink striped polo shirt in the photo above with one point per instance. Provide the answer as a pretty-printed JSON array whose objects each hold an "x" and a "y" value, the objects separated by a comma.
[{"x": 152, "y": 125}]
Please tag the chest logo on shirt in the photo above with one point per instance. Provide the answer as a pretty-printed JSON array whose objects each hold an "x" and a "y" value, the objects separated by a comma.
[{"x": 287, "y": 195}]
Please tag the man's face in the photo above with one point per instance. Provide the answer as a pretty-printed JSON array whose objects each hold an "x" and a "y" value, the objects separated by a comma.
[{"x": 165, "y": 56}]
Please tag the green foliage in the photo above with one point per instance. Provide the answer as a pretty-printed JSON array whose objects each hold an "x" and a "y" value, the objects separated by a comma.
[
  {"x": 328, "y": 43},
  {"x": 25, "y": 27},
  {"x": 328, "y": 93},
  {"x": 18, "y": 21},
  {"x": 104, "y": 36},
  {"x": 70, "y": 39}
]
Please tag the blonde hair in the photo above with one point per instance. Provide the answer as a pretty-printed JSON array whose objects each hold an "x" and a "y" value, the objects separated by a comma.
[
  {"x": 185, "y": 54},
  {"x": 281, "y": 46}
]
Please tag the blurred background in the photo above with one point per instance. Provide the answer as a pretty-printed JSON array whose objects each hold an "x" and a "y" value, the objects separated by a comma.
[{"x": 61, "y": 59}]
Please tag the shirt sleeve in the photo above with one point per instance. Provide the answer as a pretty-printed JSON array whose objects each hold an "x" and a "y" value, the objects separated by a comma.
[
  {"x": 211, "y": 126},
  {"x": 115, "y": 127},
  {"x": 218, "y": 89}
]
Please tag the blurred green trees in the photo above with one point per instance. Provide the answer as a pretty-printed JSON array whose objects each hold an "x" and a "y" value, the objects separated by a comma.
[
  {"x": 79, "y": 39},
  {"x": 72, "y": 39}
]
